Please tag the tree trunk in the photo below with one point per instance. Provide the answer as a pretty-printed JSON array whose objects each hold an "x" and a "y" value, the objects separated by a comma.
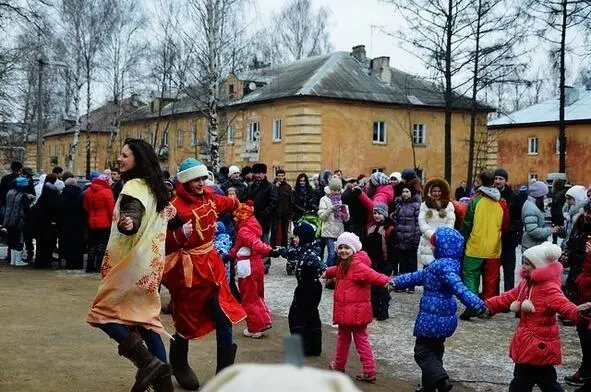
[
  {"x": 561, "y": 124},
  {"x": 473, "y": 112},
  {"x": 88, "y": 122},
  {"x": 213, "y": 30},
  {"x": 447, "y": 164}
]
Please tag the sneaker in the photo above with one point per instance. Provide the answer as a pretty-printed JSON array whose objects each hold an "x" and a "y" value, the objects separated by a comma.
[
  {"x": 253, "y": 335},
  {"x": 576, "y": 379},
  {"x": 366, "y": 377}
]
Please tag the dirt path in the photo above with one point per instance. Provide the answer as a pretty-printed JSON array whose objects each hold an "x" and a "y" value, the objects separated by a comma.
[{"x": 46, "y": 346}]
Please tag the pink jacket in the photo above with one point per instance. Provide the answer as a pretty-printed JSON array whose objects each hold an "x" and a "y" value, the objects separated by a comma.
[
  {"x": 352, "y": 294},
  {"x": 537, "y": 339},
  {"x": 249, "y": 235},
  {"x": 384, "y": 194}
]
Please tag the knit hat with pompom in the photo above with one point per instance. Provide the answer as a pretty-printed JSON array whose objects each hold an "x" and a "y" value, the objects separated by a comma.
[{"x": 350, "y": 240}]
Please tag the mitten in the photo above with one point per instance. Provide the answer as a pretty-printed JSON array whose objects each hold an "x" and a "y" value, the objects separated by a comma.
[
  {"x": 390, "y": 286},
  {"x": 274, "y": 253}
]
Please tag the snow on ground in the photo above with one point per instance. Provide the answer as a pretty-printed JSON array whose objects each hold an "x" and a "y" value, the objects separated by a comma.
[{"x": 476, "y": 354}]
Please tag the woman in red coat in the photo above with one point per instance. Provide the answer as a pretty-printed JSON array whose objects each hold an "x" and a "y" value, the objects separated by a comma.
[
  {"x": 535, "y": 347},
  {"x": 195, "y": 274},
  {"x": 352, "y": 303},
  {"x": 249, "y": 251}
]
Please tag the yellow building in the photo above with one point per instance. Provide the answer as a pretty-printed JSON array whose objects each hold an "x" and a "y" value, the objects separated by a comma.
[
  {"x": 527, "y": 140},
  {"x": 338, "y": 111},
  {"x": 57, "y": 142}
]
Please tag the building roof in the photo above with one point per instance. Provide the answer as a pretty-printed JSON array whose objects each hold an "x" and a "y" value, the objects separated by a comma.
[
  {"x": 341, "y": 76},
  {"x": 547, "y": 112},
  {"x": 101, "y": 119}
]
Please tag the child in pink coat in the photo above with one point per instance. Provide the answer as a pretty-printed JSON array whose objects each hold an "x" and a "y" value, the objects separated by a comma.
[
  {"x": 352, "y": 304},
  {"x": 535, "y": 347}
]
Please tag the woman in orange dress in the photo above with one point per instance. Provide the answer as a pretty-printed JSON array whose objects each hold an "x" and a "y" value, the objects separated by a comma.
[
  {"x": 127, "y": 304},
  {"x": 195, "y": 274}
]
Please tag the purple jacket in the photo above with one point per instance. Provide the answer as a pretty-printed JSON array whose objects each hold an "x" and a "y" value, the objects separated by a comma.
[{"x": 408, "y": 233}]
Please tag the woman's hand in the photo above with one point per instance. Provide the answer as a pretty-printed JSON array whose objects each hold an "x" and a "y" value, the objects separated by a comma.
[
  {"x": 188, "y": 229},
  {"x": 588, "y": 247},
  {"x": 126, "y": 223}
]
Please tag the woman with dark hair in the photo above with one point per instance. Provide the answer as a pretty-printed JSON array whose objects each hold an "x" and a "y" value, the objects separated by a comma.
[
  {"x": 302, "y": 196},
  {"x": 195, "y": 274},
  {"x": 127, "y": 304}
]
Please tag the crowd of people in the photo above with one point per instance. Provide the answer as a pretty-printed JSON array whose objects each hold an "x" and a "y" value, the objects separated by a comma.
[{"x": 210, "y": 237}]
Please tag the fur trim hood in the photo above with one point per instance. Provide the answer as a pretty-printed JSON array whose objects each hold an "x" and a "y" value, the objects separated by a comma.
[{"x": 445, "y": 193}]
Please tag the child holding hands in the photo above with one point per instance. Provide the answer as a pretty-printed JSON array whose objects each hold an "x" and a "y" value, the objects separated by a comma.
[
  {"x": 535, "y": 347},
  {"x": 437, "y": 319},
  {"x": 352, "y": 304}
]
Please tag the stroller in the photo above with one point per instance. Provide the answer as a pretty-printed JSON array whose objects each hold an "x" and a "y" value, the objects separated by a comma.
[{"x": 312, "y": 218}]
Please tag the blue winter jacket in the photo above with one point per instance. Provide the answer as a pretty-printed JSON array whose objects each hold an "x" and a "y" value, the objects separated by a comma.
[{"x": 441, "y": 281}]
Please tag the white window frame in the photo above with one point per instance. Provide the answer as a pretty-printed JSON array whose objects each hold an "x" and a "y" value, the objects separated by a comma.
[
  {"x": 384, "y": 133},
  {"x": 230, "y": 134},
  {"x": 193, "y": 135},
  {"x": 252, "y": 128},
  {"x": 558, "y": 146},
  {"x": 532, "y": 142},
  {"x": 377, "y": 169},
  {"x": 180, "y": 138},
  {"x": 532, "y": 175},
  {"x": 419, "y": 134},
  {"x": 165, "y": 138},
  {"x": 277, "y": 130}
]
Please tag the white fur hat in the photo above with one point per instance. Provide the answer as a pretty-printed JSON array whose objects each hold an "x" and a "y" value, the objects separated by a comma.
[
  {"x": 233, "y": 170},
  {"x": 542, "y": 255}
]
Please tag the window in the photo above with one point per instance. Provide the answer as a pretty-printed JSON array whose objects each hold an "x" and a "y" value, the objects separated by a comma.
[
  {"x": 165, "y": 138},
  {"x": 532, "y": 146},
  {"x": 419, "y": 134},
  {"x": 193, "y": 136},
  {"x": 231, "y": 91},
  {"x": 180, "y": 138},
  {"x": 276, "y": 130},
  {"x": 140, "y": 135},
  {"x": 230, "y": 134},
  {"x": 379, "y": 132},
  {"x": 253, "y": 132},
  {"x": 558, "y": 146},
  {"x": 531, "y": 176},
  {"x": 377, "y": 169}
]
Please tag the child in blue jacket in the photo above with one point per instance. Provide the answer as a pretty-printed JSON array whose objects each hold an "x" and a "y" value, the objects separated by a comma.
[{"x": 437, "y": 318}]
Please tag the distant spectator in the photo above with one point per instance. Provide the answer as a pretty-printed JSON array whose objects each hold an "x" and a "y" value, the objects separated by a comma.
[
  {"x": 44, "y": 215},
  {"x": 116, "y": 182},
  {"x": 71, "y": 223},
  {"x": 59, "y": 183},
  {"x": 462, "y": 191}
]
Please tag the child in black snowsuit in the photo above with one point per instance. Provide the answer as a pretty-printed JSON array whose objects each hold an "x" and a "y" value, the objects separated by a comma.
[
  {"x": 379, "y": 248},
  {"x": 304, "y": 318}
]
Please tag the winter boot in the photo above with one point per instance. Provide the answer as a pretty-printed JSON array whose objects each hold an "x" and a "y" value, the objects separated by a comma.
[
  {"x": 185, "y": 376},
  {"x": 18, "y": 258},
  {"x": 444, "y": 385},
  {"x": 578, "y": 378},
  {"x": 226, "y": 357},
  {"x": 163, "y": 384},
  {"x": 149, "y": 367}
]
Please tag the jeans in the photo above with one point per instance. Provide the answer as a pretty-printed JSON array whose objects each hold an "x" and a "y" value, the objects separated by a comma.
[
  {"x": 331, "y": 256},
  {"x": 119, "y": 332},
  {"x": 223, "y": 326}
]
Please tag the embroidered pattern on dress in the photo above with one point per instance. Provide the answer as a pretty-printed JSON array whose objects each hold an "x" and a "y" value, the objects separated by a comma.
[
  {"x": 106, "y": 264},
  {"x": 151, "y": 280}
]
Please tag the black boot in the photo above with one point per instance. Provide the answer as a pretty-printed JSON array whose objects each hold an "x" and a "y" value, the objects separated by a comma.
[
  {"x": 149, "y": 367},
  {"x": 185, "y": 376},
  {"x": 163, "y": 384},
  {"x": 226, "y": 357},
  {"x": 444, "y": 385}
]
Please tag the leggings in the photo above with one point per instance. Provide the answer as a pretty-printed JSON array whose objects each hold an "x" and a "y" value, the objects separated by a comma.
[{"x": 119, "y": 332}]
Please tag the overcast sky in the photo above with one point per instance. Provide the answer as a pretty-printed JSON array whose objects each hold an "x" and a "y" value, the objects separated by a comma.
[{"x": 351, "y": 24}]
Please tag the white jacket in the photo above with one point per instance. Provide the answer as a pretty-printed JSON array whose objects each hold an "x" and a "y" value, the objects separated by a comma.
[
  {"x": 331, "y": 227},
  {"x": 429, "y": 222}
]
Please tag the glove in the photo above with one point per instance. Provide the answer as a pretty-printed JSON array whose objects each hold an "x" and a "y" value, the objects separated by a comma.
[
  {"x": 585, "y": 309},
  {"x": 390, "y": 286},
  {"x": 484, "y": 313},
  {"x": 274, "y": 253}
]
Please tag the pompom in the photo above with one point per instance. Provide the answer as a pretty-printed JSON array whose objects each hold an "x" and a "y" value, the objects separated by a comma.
[
  {"x": 528, "y": 306},
  {"x": 515, "y": 307}
]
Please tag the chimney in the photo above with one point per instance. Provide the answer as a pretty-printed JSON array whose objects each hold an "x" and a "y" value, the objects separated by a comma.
[
  {"x": 381, "y": 67},
  {"x": 359, "y": 53},
  {"x": 571, "y": 95}
]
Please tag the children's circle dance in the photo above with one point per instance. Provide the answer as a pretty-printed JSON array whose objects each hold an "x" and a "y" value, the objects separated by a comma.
[{"x": 375, "y": 230}]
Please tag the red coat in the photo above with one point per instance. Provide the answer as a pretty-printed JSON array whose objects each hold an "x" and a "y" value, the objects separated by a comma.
[
  {"x": 249, "y": 235},
  {"x": 384, "y": 194},
  {"x": 99, "y": 204},
  {"x": 194, "y": 271},
  {"x": 352, "y": 294},
  {"x": 537, "y": 339},
  {"x": 584, "y": 280}
]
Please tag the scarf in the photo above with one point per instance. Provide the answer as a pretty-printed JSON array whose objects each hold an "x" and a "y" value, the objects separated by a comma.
[{"x": 336, "y": 200}]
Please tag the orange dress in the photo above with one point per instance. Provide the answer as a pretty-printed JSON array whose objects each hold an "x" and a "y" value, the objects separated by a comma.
[{"x": 194, "y": 271}]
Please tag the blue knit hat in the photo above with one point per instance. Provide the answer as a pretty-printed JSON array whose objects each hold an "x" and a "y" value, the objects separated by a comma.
[
  {"x": 22, "y": 182},
  {"x": 190, "y": 169},
  {"x": 93, "y": 174},
  {"x": 305, "y": 232}
]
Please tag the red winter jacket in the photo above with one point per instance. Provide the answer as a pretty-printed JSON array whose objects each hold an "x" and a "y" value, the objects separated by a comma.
[
  {"x": 384, "y": 194},
  {"x": 352, "y": 294},
  {"x": 537, "y": 339},
  {"x": 249, "y": 235},
  {"x": 99, "y": 204}
]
